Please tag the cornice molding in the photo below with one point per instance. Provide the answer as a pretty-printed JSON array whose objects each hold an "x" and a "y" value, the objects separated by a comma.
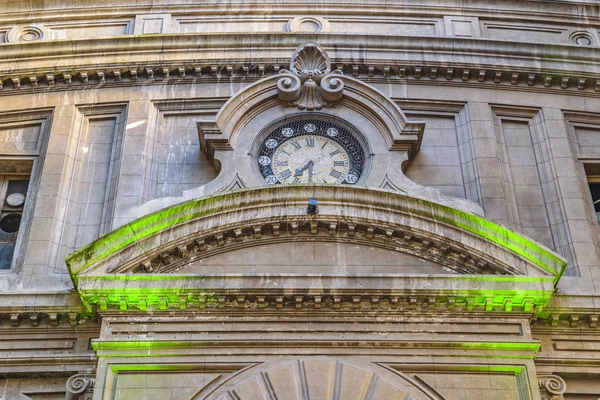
[
  {"x": 50, "y": 364},
  {"x": 141, "y": 265},
  {"x": 448, "y": 295},
  {"x": 54, "y": 308},
  {"x": 41, "y": 67},
  {"x": 557, "y": 10},
  {"x": 571, "y": 311}
]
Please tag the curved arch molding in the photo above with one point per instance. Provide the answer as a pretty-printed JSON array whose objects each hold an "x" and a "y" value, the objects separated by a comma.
[
  {"x": 141, "y": 265},
  {"x": 316, "y": 378}
]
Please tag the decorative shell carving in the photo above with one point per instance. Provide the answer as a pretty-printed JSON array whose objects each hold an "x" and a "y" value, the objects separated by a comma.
[
  {"x": 310, "y": 62},
  {"x": 310, "y": 84}
]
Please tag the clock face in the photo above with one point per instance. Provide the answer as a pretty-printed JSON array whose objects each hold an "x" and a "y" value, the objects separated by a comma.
[
  {"x": 310, "y": 159},
  {"x": 311, "y": 151}
]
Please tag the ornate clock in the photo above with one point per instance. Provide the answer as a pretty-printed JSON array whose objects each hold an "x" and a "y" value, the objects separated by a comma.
[{"x": 311, "y": 150}]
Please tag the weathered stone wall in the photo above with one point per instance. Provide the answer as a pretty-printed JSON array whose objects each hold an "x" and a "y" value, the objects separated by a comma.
[
  {"x": 438, "y": 163},
  {"x": 178, "y": 162},
  {"x": 102, "y": 104}
]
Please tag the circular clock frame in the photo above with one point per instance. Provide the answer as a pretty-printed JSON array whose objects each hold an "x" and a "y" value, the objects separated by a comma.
[{"x": 311, "y": 148}]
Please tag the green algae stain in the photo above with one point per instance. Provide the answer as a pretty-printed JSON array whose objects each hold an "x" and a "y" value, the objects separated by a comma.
[
  {"x": 181, "y": 213},
  {"x": 504, "y": 237},
  {"x": 140, "y": 229}
]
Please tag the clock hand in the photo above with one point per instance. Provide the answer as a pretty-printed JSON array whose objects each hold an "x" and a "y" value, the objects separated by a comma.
[
  {"x": 310, "y": 171},
  {"x": 300, "y": 171}
]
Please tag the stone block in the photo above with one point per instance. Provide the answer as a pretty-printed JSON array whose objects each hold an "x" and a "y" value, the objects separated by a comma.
[
  {"x": 529, "y": 196},
  {"x": 462, "y": 381},
  {"x": 575, "y": 208},
  {"x": 152, "y": 23},
  {"x": 500, "y": 382},
  {"x": 489, "y": 168},
  {"x": 478, "y": 394}
]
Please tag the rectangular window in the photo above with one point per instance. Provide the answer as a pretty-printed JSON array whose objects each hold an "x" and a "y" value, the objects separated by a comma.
[
  {"x": 592, "y": 172},
  {"x": 23, "y": 141},
  {"x": 13, "y": 192}
]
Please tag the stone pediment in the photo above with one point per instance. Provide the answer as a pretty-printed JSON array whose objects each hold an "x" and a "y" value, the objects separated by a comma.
[
  {"x": 142, "y": 264},
  {"x": 310, "y": 88},
  {"x": 309, "y": 85}
]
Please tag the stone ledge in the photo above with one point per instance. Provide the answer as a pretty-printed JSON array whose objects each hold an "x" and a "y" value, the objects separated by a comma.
[
  {"x": 204, "y": 50},
  {"x": 21, "y": 10},
  {"x": 358, "y": 293},
  {"x": 173, "y": 226}
]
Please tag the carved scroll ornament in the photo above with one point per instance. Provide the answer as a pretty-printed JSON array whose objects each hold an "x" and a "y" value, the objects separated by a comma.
[
  {"x": 80, "y": 387},
  {"x": 552, "y": 387},
  {"x": 310, "y": 84}
]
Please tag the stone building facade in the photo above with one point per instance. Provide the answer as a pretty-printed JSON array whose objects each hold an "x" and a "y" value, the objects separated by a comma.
[{"x": 300, "y": 200}]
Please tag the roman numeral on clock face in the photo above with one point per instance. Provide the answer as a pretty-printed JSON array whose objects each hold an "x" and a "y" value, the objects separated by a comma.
[
  {"x": 339, "y": 163},
  {"x": 296, "y": 144},
  {"x": 335, "y": 173},
  {"x": 285, "y": 174},
  {"x": 310, "y": 142},
  {"x": 281, "y": 163},
  {"x": 333, "y": 153},
  {"x": 296, "y": 180}
]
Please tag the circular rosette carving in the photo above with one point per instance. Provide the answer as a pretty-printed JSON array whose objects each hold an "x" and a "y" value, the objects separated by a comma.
[
  {"x": 582, "y": 38},
  {"x": 553, "y": 385},
  {"x": 308, "y": 24},
  {"x": 28, "y": 33},
  {"x": 289, "y": 87},
  {"x": 332, "y": 88}
]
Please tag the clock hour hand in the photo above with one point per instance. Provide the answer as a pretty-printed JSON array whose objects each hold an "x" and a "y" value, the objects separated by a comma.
[{"x": 300, "y": 171}]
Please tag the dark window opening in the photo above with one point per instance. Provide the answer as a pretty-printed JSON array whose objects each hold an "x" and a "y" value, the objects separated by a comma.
[
  {"x": 13, "y": 192},
  {"x": 595, "y": 191}
]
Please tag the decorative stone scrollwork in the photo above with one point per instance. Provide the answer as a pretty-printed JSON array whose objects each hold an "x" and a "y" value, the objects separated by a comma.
[
  {"x": 310, "y": 84},
  {"x": 289, "y": 88},
  {"x": 332, "y": 87},
  {"x": 80, "y": 387},
  {"x": 552, "y": 387},
  {"x": 28, "y": 33}
]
